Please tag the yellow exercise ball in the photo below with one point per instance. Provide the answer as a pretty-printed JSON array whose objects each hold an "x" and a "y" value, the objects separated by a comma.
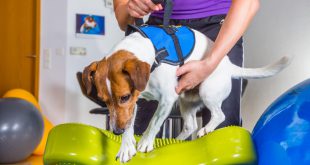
[{"x": 25, "y": 95}]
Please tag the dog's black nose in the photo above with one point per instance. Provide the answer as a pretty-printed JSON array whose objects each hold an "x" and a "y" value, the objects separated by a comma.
[{"x": 118, "y": 131}]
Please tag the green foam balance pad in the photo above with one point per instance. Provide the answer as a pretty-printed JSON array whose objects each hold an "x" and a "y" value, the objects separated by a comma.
[{"x": 77, "y": 144}]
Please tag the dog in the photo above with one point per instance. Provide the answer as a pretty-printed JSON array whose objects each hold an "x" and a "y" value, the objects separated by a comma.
[
  {"x": 124, "y": 76},
  {"x": 89, "y": 23}
]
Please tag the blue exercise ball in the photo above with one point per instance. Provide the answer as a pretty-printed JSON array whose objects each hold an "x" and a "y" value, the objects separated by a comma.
[
  {"x": 21, "y": 129},
  {"x": 282, "y": 134}
]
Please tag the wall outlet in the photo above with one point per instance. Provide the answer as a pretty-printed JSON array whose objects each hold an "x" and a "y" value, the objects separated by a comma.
[
  {"x": 108, "y": 4},
  {"x": 60, "y": 51},
  {"x": 78, "y": 51},
  {"x": 47, "y": 59}
]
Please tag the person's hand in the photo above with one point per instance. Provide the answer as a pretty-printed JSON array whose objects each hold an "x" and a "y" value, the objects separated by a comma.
[
  {"x": 193, "y": 73},
  {"x": 140, "y": 8}
]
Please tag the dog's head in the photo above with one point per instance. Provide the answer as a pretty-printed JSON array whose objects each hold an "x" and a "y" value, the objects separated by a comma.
[
  {"x": 89, "y": 19},
  {"x": 119, "y": 80}
]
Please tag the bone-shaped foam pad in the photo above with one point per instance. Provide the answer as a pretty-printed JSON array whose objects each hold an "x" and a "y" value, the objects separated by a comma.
[{"x": 82, "y": 144}]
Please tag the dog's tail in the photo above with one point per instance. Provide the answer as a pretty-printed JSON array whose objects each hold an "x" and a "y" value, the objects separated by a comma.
[{"x": 266, "y": 71}]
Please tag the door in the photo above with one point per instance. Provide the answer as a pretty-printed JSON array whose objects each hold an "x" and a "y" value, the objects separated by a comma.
[{"x": 19, "y": 45}]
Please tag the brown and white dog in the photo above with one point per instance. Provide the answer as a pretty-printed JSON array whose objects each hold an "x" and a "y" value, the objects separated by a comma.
[
  {"x": 124, "y": 76},
  {"x": 89, "y": 23}
]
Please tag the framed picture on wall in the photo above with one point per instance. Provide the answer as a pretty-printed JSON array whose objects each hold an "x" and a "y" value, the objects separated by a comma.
[{"x": 89, "y": 26}]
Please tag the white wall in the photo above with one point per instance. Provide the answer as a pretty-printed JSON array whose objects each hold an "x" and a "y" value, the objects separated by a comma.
[
  {"x": 77, "y": 105},
  {"x": 60, "y": 95},
  {"x": 282, "y": 27},
  {"x": 53, "y": 35}
]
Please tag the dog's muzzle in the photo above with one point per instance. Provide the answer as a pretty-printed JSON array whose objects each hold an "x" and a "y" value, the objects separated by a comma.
[{"x": 118, "y": 131}]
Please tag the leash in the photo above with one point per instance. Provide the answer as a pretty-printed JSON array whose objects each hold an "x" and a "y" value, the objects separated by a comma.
[{"x": 167, "y": 12}]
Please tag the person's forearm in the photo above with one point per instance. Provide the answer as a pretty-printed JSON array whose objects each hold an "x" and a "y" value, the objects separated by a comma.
[
  {"x": 122, "y": 16},
  {"x": 237, "y": 20}
]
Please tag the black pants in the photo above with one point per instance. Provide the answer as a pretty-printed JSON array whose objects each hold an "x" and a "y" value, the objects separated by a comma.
[{"x": 209, "y": 26}]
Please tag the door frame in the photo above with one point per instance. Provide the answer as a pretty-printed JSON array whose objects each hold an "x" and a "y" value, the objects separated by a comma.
[{"x": 37, "y": 51}]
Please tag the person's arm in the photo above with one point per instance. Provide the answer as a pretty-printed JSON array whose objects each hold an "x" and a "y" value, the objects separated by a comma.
[
  {"x": 237, "y": 20},
  {"x": 127, "y": 10}
]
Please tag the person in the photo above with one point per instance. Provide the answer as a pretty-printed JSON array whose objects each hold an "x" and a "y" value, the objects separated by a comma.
[{"x": 223, "y": 21}]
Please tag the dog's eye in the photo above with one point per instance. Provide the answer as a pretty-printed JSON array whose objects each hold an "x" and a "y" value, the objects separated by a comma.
[{"x": 125, "y": 98}]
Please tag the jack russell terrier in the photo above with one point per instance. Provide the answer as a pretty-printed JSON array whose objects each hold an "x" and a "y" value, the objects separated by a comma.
[
  {"x": 125, "y": 75},
  {"x": 89, "y": 23}
]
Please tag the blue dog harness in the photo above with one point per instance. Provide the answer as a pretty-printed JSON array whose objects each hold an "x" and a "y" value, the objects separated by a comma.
[{"x": 172, "y": 44}]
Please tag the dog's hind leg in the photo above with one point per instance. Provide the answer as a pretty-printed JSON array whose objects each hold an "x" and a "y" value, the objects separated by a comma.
[
  {"x": 188, "y": 112},
  {"x": 217, "y": 117},
  {"x": 212, "y": 92},
  {"x": 162, "y": 112}
]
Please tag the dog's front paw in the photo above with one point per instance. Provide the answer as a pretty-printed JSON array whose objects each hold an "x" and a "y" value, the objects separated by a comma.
[
  {"x": 145, "y": 145},
  {"x": 127, "y": 150},
  {"x": 203, "y": 131}
]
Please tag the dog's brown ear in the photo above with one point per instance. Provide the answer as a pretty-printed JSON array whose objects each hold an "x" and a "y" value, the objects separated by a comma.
[
  {"x": 139, "y": 72},
  {"x": 87, "y": 76}
]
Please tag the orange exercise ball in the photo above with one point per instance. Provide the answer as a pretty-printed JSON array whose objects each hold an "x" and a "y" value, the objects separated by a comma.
[
  {"x": 25, "y": 95},
  {"x": 22, "y": 94}
]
